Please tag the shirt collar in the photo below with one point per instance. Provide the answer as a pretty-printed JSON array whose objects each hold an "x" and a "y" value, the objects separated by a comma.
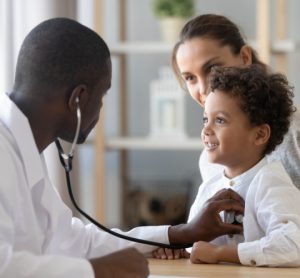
[
  {"x": 19, "y": 127},
  {"x": 246, "y": 177}
]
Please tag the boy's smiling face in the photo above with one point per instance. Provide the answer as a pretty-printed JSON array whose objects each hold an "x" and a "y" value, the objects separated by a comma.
[{"x": 227, "y": 135}]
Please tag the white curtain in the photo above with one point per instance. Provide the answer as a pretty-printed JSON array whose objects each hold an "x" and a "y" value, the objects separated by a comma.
[
  {"x": 18, "y": 17},
  {"x": 7, "y": 49}
]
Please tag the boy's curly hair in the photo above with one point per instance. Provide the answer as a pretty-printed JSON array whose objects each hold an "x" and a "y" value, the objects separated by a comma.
[{"x": 265, "y": 98}]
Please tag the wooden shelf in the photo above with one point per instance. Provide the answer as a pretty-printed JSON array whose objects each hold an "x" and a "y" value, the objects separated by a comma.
[
  {"x": 141, "y": 47},
  {"x": 285, "y": 46},
  {"x": 280, "y": 46},
  {"x": 149, "y": 143},
  {"x": 146, "y": 47}
]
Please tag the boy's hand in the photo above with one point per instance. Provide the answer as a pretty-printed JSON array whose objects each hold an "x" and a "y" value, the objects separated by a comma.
[
  {"x": 170, "y": 254},
  {"x": 204, "y": 252}
]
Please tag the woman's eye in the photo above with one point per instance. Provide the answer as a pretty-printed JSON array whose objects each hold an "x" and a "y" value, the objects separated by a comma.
[
  {"x": 188, "y": 78},
  {"x": 209, "y": 68}
]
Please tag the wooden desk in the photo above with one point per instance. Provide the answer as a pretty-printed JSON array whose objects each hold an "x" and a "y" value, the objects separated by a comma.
[{"x": 183, "y": 267}]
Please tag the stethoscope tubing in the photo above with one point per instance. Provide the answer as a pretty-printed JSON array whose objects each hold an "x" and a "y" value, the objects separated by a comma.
[{"x": 66, "y": 161}]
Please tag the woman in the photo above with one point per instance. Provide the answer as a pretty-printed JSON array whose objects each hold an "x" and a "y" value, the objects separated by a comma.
[{"x": 213, "y": 40}]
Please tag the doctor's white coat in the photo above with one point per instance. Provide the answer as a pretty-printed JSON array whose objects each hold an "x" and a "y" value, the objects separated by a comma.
[{"x": 38, "y": 236}]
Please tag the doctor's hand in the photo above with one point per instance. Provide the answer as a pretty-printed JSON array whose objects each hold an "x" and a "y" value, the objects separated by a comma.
[
  {"x": 207, "y": 224},
  {"x": 126, "y": 263}
]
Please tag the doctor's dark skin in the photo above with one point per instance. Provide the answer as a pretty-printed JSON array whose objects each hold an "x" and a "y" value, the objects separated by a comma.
[{"x": 61, "y": 60}]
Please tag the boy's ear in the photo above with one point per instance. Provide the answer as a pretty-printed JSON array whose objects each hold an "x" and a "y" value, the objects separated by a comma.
[
  {"x": 262, "y": 135},
  {"x": 246, "y": 55}
]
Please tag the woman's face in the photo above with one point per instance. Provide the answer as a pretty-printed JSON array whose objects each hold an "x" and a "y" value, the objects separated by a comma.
[{"x": 196, "y": 57}]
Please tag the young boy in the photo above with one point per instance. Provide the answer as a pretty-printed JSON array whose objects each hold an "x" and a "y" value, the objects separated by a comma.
[{"x": 246, "y": 116}]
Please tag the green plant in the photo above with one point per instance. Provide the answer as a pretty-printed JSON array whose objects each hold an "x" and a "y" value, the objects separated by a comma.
[{"x": 173, "y": 8}]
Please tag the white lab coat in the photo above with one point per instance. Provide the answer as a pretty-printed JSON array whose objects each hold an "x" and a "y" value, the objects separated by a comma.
[
  {"x": 38, "y": 236},
  {"x": 272, "y": 214}
]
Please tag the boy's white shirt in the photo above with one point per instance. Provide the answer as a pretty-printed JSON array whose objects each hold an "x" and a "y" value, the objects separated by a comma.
[{"x": 272, "y": 214}]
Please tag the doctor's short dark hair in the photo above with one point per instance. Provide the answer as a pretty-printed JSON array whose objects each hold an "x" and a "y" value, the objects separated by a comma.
[
  {"x": 265, "y": 98},
  {"x": 61, "y": 52}
]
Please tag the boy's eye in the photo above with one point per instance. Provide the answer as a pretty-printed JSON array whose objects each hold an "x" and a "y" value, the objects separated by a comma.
[
  {"x": 220, "y": 120},
  {"x": 205, "y": 120}
]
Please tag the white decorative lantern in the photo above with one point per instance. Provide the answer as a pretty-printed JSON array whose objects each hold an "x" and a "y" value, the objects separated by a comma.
[{"x": 167, "y": 106}]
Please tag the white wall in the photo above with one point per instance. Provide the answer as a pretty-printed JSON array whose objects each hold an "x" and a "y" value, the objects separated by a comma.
[{"x": 294, "y": 34}]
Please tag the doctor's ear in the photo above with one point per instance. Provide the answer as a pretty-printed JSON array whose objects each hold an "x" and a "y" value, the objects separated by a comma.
[{"x": 78, "y": 96}]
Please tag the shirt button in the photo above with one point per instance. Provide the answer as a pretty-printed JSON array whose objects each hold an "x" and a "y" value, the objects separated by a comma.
[
  {"x": 231, "y": 183},
  {"x": 253, "y": 262},
  {"x": 285, "y": 221}
]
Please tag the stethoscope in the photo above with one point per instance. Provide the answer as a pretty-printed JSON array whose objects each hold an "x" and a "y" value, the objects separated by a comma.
[{"x": 66, "y": 161}]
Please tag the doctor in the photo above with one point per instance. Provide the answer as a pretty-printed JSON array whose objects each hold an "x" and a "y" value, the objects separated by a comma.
[{"x": 62, "y": 66}]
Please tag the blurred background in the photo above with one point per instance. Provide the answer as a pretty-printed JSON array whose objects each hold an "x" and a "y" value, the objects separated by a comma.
[{"x": 140, "y": 165}]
